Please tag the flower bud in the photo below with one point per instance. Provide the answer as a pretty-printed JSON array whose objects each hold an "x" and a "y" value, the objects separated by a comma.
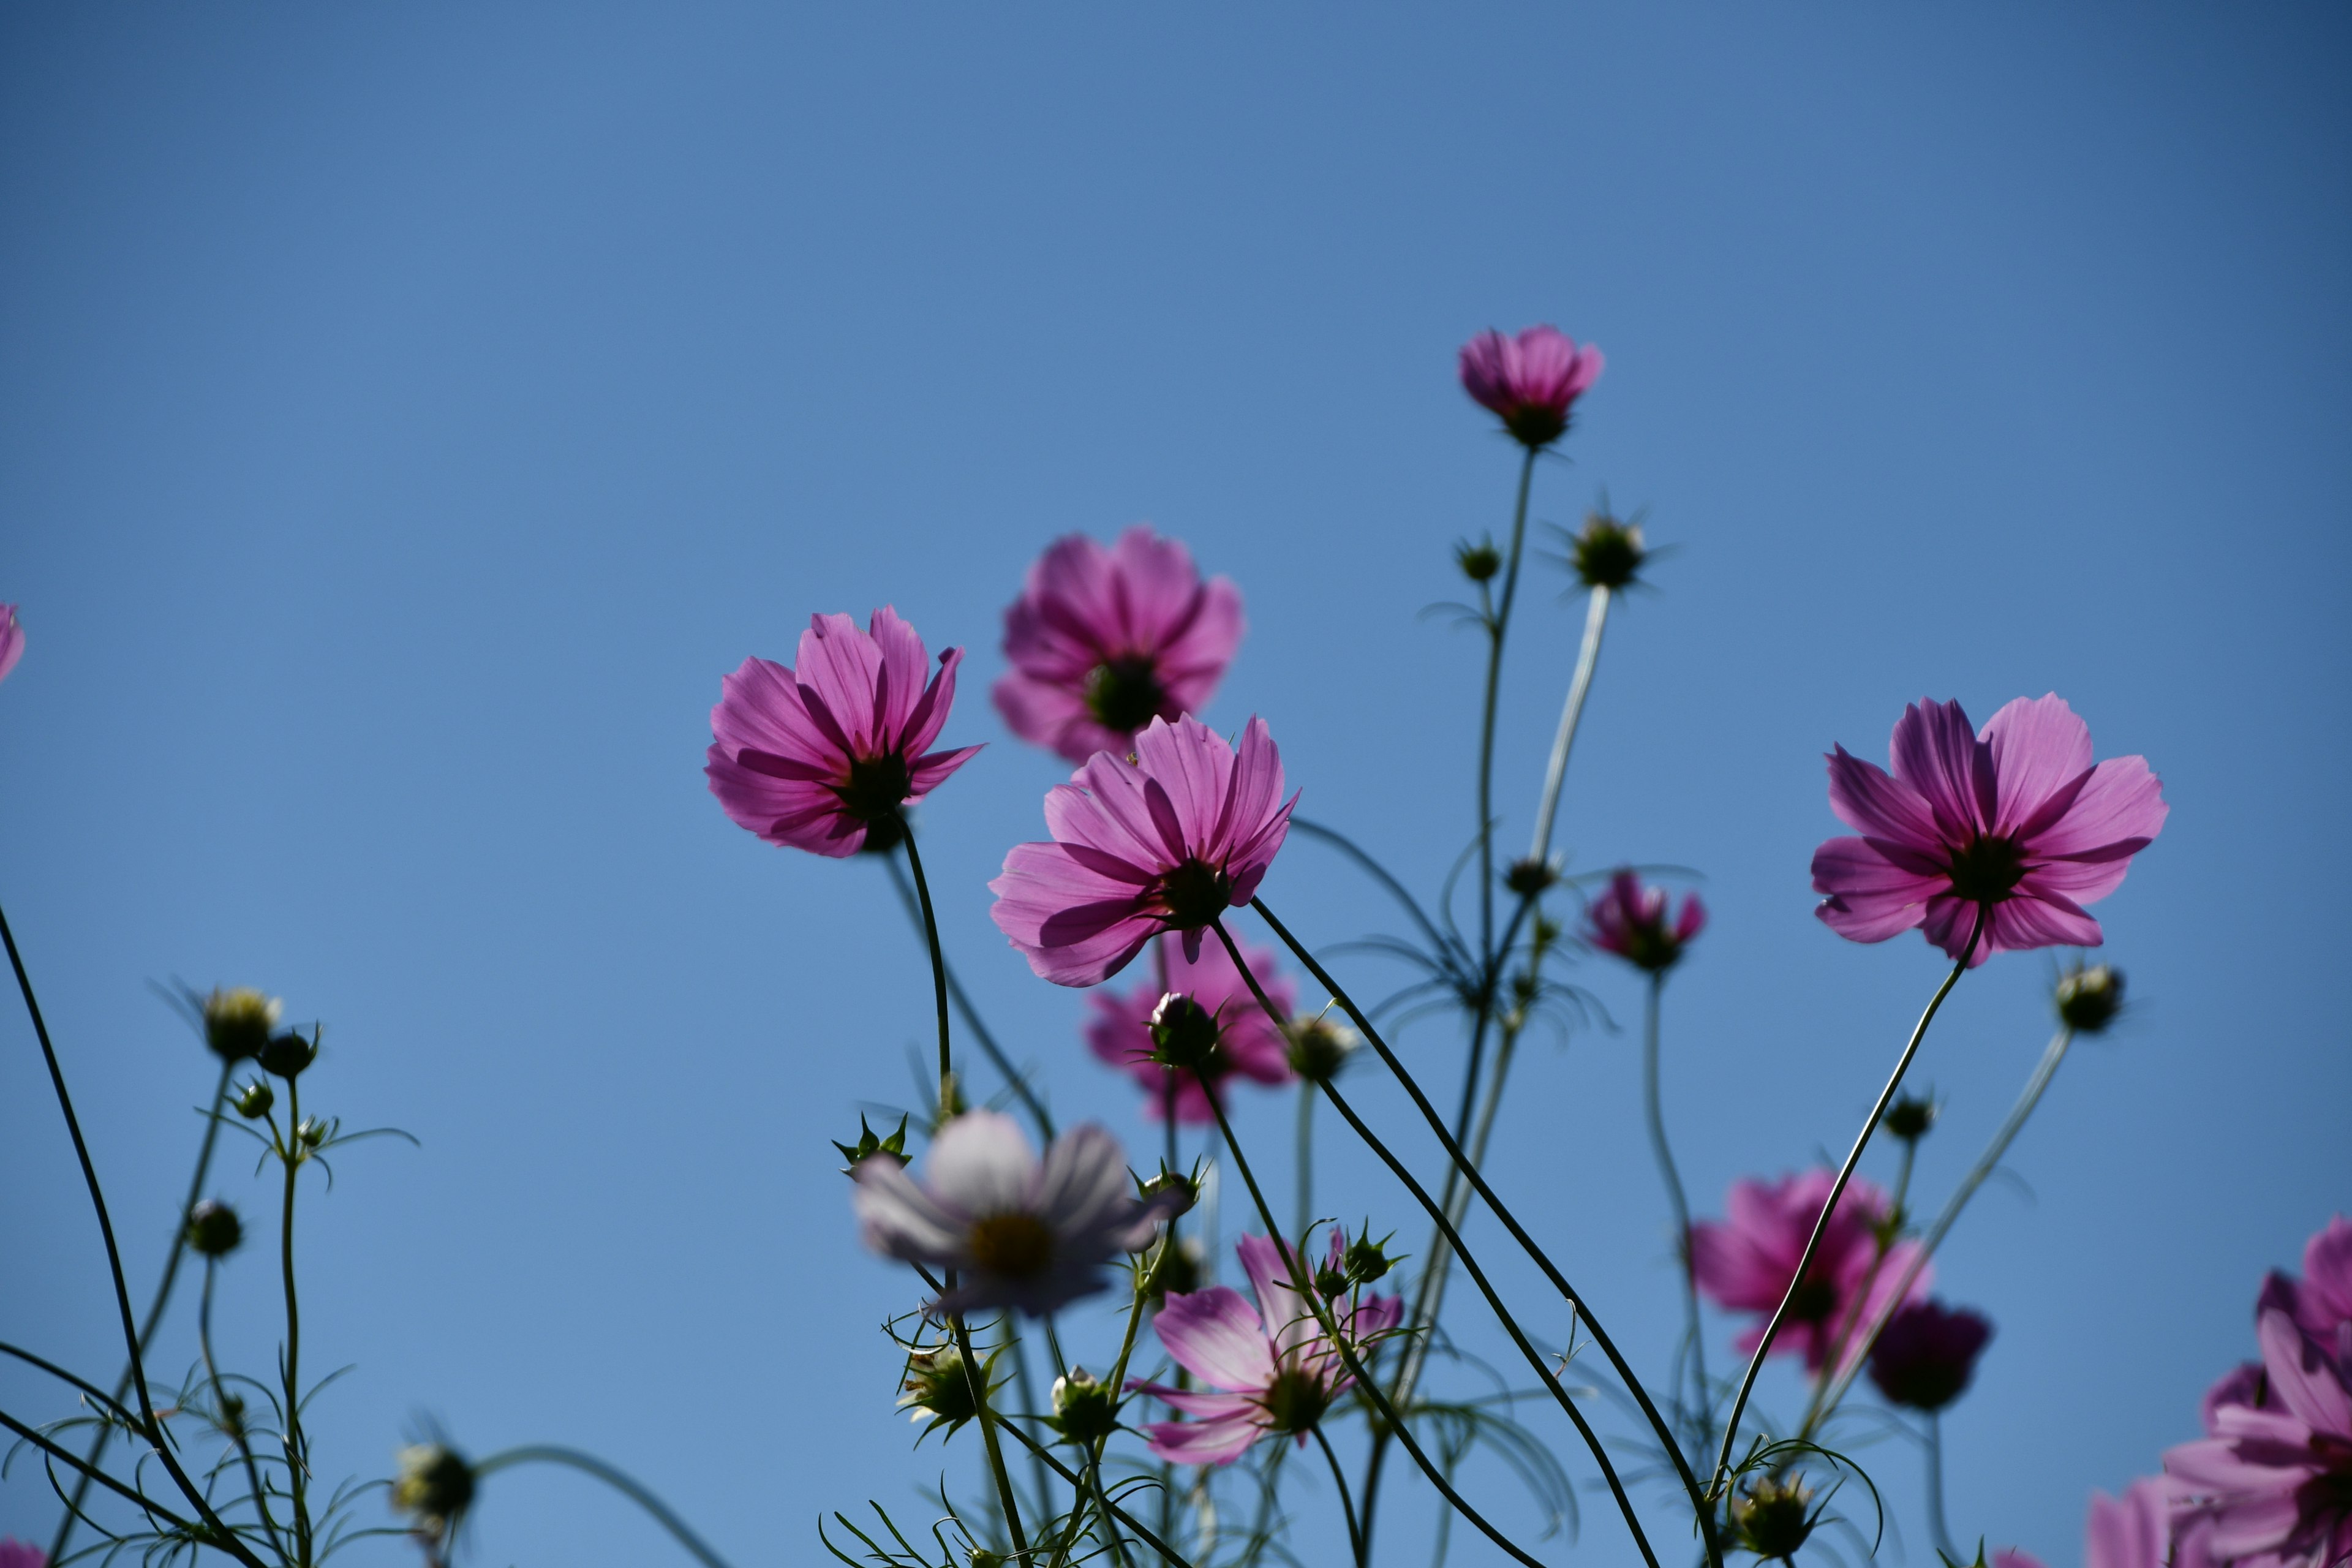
[
  {"x": 2089, "y": 999},
  {"x": 1609, "y": 552},
  {"x": 312, "y": 1132},
  {"x": 214, "y": 1229},
  {"x": 289, "y": 1053},
  {"x": 895, "y": 1145},
  {"x": 1480, "y": 561},
  {"x": 238, "y": 1022},
  {"x": 1330, "y": 1283},
  {"x": 1909, "y": 1117},
  {"x": 1368, "y": 1259},
  {"x": 937, "y": 1391},
  {"x": 1178, "y": 1272},
  {"x": 435, "y": 1486},
  {"x": 1319, "y": 1047},
  {"x": 232, "y": 1415},
  {"x": 1528, "y": 876},
  {"x": 1771, "y": 1518},
  {"x": 253, "y": 1100},
  {"x": 1184, "y": 1033},
  {"x": 1173, "y": 1192},
  {"x": 1084, "y": 1408},
  {"x": 981, "y": 1557}
]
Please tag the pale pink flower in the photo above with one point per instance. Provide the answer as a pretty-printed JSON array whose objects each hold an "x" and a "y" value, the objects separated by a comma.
[
  {"x": 816, "y": 758},
  {"x": 2017, "y": 822},
  {"x": 1101, "y": 642},
  {"x": 1248, "y": 1044},
  {"x": 1531, "y": 380},
  {"x": 1166, "y": 842},
  {"x": 1269, "y": 1371},
  {"x": 2014, "y": 1557},
  {"x": 1745, "y": 1261}
]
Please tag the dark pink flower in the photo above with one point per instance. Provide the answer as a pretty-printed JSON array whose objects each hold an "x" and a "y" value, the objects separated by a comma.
[
  {"x": 812, "y": 758},
  {"x": 1248, "y": 1044},
  {"x": 12, "y": 648},
  {"x": 1532, "y": 381},
  {"x": 2275, "y": 1483},
  {"x": 2015, "y": 1557},
  {"x": 2134, "y": 1530},
  {"x": 2016, "y": 821},
  {"x": 1168, "y": 842},
  {"x": 1630, "y": 921},
  {"x": 1745, "y": 1261},
  {"x": 14, "y": 1553},
  {"x": 1102, "y": 642},
  {"x": 1927, "y": 1354},
  {"x": 2319, "y": 1303},
  {"x": 1269, "y": 1371}
]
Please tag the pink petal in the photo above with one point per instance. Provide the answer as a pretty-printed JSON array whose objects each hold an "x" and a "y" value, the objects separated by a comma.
[
  {"x": 2119, "y": 812},
  {"x": 2039, "y": 746},
  {"x": 927, "y": 773},
  {"x": 2027, "y": 921},
  {"x": 1869, "y": 800},
  {"x": 929, "y": 714},
  {"x": 1935, "y": 751},
  {"x": 2300, "y": 1379},
  {"x": 1204, "y": 1442},
  {"x": 899, "y": 684},
  {"x": 843, "y": 665},
  {"x": 1214, "y": 1335}
]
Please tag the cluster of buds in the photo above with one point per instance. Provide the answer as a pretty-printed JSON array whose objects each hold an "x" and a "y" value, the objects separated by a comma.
[{"x": 1353, "y": 1264}]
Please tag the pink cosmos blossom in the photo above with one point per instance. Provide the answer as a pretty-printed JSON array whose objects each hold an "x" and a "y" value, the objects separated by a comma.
[
  {"x": 14, "y": 1553},
  {"x": 1269, "y": 1371},
  {"x": 1630, "y": 921},
  {"x": 12, "y": 648},
  {"x": 1745, "y": 1261},
  {"x": 2016, "y": 820},
  {"x": 2275, "y": 1482},
  {"x": 1532, "y": 381},
  {"x": 2134, "y": 1530},
  {"x": 815, "y": 758},
  {"x": 1022, "y": 1233},
  {"x": 1168, "y": 842},
  {"x": 2012, "y": 1557},
  {"x": 1248, "y": 1044},
  {"x": 1927, "y": 1354},
  {"x": 1103, "y": 641}
]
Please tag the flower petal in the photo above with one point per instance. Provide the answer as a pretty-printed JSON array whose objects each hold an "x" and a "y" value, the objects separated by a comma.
[
  {"x": 2039, "y": 747},
  {"x": 982, "y": 1163},
  {"x": 1217, "y": 1337},
  {"x": 1935, "y": 751}
]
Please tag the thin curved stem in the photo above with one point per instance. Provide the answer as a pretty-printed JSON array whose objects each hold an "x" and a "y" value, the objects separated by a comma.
[
  {"x": 972, "y": 1022},
  {"x": 1935, "y": 1531},
  {"x": 939, "y": 961},
  {"x": 1347, "y": 1503},
  {"x": 1527, "y": 1244},
  {"x": 590, "y": 1464},
  {"x": 1168, "y": 1553},
  {"x": 227, "y": 1539},
  {"x": 220, "y": 1403},
  {"x": 1303, "y": 1210},
  {"x": 1655, "y": 1113},
  {"x": 1571, "y": 713},
  {"x": 1497, "y": 626},
  {"x": 297, "y": 1446},
  {"x": 114, "y": 1407},
  {"x": 1837, "y": 1191},
  {"x": 2043, "y": 1071},
  {"x": 134, "y": 1494}
]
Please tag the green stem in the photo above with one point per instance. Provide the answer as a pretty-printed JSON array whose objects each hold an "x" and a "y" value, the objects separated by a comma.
[
  {"x": 1935, "y": 1531},
  {"x": 1497, "y": 626},
  {"x": 1305, "y": 1210},
  {"x": 1837, "y": 1191},
  {"x": 297, "y": 1457},
  {"x": 146, "y": 1504},
  {"x": 1168, "y": 1553},
  {"x": 244, "y": 1445},
  {"x": 972, "y": 1022},
  {"x": 1571, "y": 713},
  {"x": 1347, "y": 1503},
  {"x": 939, "y": 962},
  {"x": 589, "y": 1465},
  {"x": 1655, "y": 1111}
]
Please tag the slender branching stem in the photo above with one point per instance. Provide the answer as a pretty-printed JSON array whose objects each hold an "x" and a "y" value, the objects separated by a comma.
[
  {"x": 1168, "y": 1553},
  {"x": 1347, "y": 1503},
  {"x": 153, "y": 1427},
  {"x": 938, "y": 961},
  {"x": 146, "y": 1504},
  {"x": 234, "y": 1424},
  {"x": 1302, "y": 1206},
  {"x": 1017, "y": 1081},
  {"x": 298, "y": 1455},
  {"x": 1497, "y": 625},
  {"x": 1837, "y": 1191},
  {"x": 1571, "y": 713},
  {"x": 1936, "y": 1532},
  {"x": 1655, "y": 1111},
  {"x": 589, "y": 1465}
]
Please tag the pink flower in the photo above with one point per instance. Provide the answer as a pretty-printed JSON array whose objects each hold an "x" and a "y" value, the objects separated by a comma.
[
  {"x": 1022, "y": 1233},
  {"x": 2010, "y": 1557},
  {"x": 1103, "y": 641},
  {"x": 2276, "y": 1482},
  {"x": 2016, "y": 820},
  {"x": 1272, "y": 1370},
  {"x": 14, "y": 1553},
  {"x": 2134, "y": 1530},
  {"x": 815, "y": 759},
  {"x": 1745, "y": 1262},
  {"x": 1168, "y": 842},
  {"x": 1927, "y": 1354},
  {"x": 12, "y": 648},
  {"x": 1248, "y": 1044},
  {"x": 1630, "y": 921},
  {"x": 1532, "y": 381}
]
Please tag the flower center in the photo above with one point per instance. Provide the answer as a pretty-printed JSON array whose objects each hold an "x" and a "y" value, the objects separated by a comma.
[
  {"x": 1535, "y": 424},
  {"x": 1124, "y": 694},
  {"x": 1295, "y": 1401},
  {"x": 1015, "y": 1245},
  {"x": 1811, "y": 1302},
  {"x": 1985, "y": 869},
  {"x": 1196, "y": 894},
  {"x": 876, "y": 786}
]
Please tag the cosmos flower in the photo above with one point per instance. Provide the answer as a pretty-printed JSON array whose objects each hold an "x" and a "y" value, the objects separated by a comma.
[
  {"x": 2016, "y": 821},
  {"x": 1630, "y": 921},
  {"x": 1926, "y": 1353},
  {"x": 2134, "y": 1530},
  {"x": 1101, "y": 642},
  {"x": 1269, "y": 1371},
  {"x": 1531, "y": 380},
  {"x": 1020, "y": 1233},
  {"x": 1249, "y": 1045},
  {"x": 12, "y": 648},
  {"x": 14, "y": 1553},
  {"x": 1745, "y": 1261},
  {"x": 1168, "y": 842},
  {"x": 2275, "y": 1482},
  {"x": 822, "y": 757}
]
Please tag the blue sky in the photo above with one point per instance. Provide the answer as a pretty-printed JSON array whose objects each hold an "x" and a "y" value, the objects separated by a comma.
[{"x": 407, "y": 415}]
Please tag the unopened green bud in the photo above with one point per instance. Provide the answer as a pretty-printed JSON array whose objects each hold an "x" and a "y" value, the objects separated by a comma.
[
  {"x": 1772, "y": 1519},
  {"x": 238, "y": 1022},
  {"x": 2089, "y": 999},
  {"x": 253, "y": 1100},
  {"x": 1480, "y": 561},
  {"x": 1368, "y": 1259},
  {"x": 1173, "y": 1192},
  {"x": 289, "y": 1053},
  {"x": 1184, "y": 1033},
  {"x": 1609, "y": 552},
  {"x": 1528, "y": 876},
  {"x": 981, "y": 1557},
  {"x": 232, "y": 1413},
  {"x": 312, "y": 1132},
  {"x": 1178, "y": 1272},
  {"x": 894, "y": 1145},
  {"x": 1085, "y": 1410},
  {"x": 435, "y": 1486},
  {"x": 1909, "y": 1117},
  {"x": 214, "y": 1229},
  {"x": 935, "y": 1390},
  {"x": 1330, "y": 1283},
  {"x": 1319, "y": 1047}
]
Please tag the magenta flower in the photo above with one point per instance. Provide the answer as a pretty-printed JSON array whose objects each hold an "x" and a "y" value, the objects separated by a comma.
[
  {"x": 14, "y": 1553},
  {"x": 1927, "y": 1354},
  {"x": 2319, "y": 1303},
  {"x": 1630, "y": 921},
  {"x": 1248, "y": 1044},
  {"x": 2015, "y": 821},
  {"x": 2134, "y": 1530},
  {"x": 1270, "y": 1371},
  {"x": 1102, "y": 642},
  {"x": 2014, "y": 1557},
  {"x": 1745, "y": 1261},
  {"x": 1168, "y": 842},
  {"x": 2275, "y": 1482},
  {"x": 1022, "y": 1233},
  {"x": 1532, "y": 381},
  {"x": 12, "y": 648},
  {"x": 814, "y": 759}
]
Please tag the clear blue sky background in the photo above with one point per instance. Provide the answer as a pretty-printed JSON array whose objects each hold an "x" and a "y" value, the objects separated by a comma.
[{"x": 408, "y": 414}]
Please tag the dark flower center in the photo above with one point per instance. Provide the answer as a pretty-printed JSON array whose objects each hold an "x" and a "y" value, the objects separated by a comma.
[
  {"x": 1015, "y": 1245},
  {"x": 1923, "y": 1381},
  {"x": 1124, "y": 694},
  {"x": 877, "y": 785},
  {"x": 1196, "y": 894},
  {"x": 1535, "y": 424},
  {"x": 1985, "y": 869},
  {"x": 1811, "y": 1302},
  {"x": 1295, "y": 1401},
  {"x": 1650, "y": 945}
]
